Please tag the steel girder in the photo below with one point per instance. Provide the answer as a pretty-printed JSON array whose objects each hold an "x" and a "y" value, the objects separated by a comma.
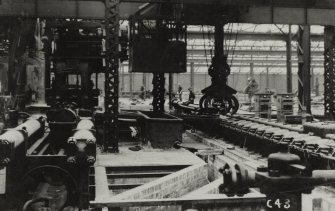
[{"x": 261, "y": 12}]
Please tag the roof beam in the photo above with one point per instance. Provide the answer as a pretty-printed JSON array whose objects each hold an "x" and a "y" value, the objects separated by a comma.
[
  {"x": 248, "y": 61},
  {"x": 287, "y": 15},
  {"x": 80, "y": 9},
  {"x": 282, "y": 3},
  {"x": 249, "y": 52},
  {"x": 294, "y": 12},
  {"x": 254, "y": 36},
  {"x": 259, "y": 65},
  {"x": 53, "y": 9}
]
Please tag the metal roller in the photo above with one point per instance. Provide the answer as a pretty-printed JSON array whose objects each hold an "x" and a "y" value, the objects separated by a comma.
[
  {"x": 85, "y": 124},
  {"x": 19, "y": 134},
  {"x": 83, "y": 142},
  {"x": 13, "y": 138},
  {"x": 86, "y": 135}
]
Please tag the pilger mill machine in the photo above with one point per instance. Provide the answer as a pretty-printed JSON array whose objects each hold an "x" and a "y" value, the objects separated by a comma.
[
  {"x": 76, "y": 59},
  {"x": 43, "y": 154}
]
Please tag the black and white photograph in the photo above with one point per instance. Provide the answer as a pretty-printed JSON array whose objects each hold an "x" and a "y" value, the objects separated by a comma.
[{"x": 167, "y": 105}]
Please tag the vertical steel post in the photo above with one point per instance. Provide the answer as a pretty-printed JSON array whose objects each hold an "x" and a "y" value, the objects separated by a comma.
[
  {"x": 289, "y": 61},
  {"x": 145, "y": 85},
  {"x": 267, "y": 78},
  {"x": 304, "y": 54},
  {"x": 252, "y": 70},
  {"x": 312, "y": 79},
  {"x": 131, "y": 82},
  {"x": 122, "y": 78},
  {"x": 111, "y": 126},
  {"x": 192, "y": 75},
  {"x": 170, "y": 89},
  {"x": 329, "y": 75}
]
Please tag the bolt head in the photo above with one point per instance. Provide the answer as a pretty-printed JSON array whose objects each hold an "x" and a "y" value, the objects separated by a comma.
[{"x": 262, "y": 168}]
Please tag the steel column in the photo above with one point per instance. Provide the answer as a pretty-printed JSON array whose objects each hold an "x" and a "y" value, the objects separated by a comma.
[
  {"x": 192, "y": 75},
  {"x": 251, "y": 69},
  {"x": 312, "y": 78},
  {"x": 144, "y": 81},
  {"x": 158, "y": 80},
  {"x": 131, "y": 82},
  {"x": 48, "y": 51},
  {"x": 122, "y": 78},
  {"x": 317, "y": 86},
  {"x": 170, "y": 89},
  {"x": 289, "y": 61},
  {"x": 15, "y": 39},
  {"x": 145, "y": 84},
  {"x": 158, "y": 92},
  {"x": 111, "y": 127},
  {"x": 304, "y": 54},
  {"x": 329, "y": 75},
  {"x": 267, "y": 78}
]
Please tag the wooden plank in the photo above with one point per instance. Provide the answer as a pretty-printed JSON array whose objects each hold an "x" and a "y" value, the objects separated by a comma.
[{"x": 101, "y": 184}]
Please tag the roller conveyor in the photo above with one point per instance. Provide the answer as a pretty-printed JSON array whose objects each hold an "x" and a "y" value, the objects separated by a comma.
[{"x": 265, "y": 136}]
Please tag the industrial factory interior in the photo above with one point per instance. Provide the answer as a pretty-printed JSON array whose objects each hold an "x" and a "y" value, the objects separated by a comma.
[{"x": 176, "y": 105}]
